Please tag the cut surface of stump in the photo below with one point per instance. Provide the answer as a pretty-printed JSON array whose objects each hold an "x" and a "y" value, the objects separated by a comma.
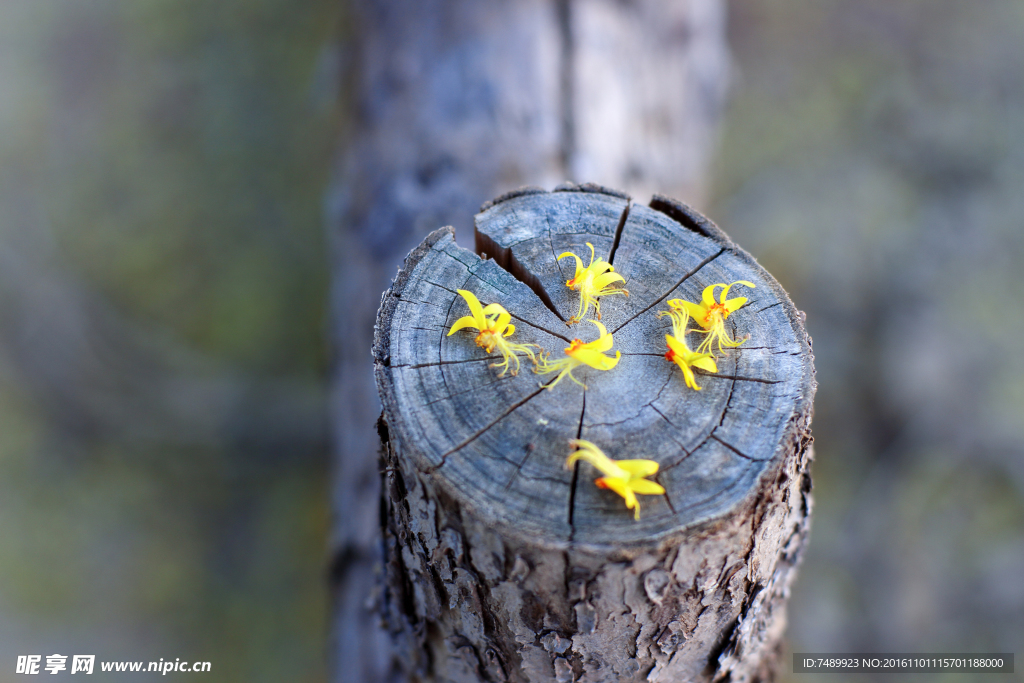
[{"x": 482, "y": 457}]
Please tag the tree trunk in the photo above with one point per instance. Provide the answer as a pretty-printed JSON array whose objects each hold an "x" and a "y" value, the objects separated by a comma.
[
  {"x": 502, "y": 565},
  {"x": 452, "y": 102}
]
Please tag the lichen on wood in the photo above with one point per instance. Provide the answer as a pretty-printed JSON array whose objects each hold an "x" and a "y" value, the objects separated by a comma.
[{"x": 501, "y": 564}]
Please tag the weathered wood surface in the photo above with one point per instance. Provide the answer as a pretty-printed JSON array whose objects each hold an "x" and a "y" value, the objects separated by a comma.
[
  {"x": 450, "y": 103},
  {"x": 502, "y": 564}
]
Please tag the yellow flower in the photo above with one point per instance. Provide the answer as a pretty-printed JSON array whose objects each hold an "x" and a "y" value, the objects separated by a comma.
[
  {"x": 591, "y": 282},
  {"x": 493, "y": 322},
  {"x": 625, "y": 477},
  {"x": 711, "y": 315},
  {"x": 679, "y": 353},
  {"x": 577, "y": 354}
]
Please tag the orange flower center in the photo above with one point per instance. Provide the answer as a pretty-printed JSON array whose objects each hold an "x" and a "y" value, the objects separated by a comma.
[
  {"x": 575, "y": 346},
  {"x": 487, "y": 339},
  {"x": 718, "y": 311},
  {"x": 670, "y": 355}
]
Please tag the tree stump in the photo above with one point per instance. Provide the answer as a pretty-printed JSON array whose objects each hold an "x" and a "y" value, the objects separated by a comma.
[{"x": 503, "y": 565}]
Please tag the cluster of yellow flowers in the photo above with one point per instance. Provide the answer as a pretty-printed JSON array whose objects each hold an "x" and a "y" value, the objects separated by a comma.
[
  {"x": 710, "y": 315},
  {"x": 493, "y": 323}
]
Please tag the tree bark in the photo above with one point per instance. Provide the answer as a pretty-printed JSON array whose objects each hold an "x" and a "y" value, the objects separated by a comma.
[
  {"x": 452, "y": 102},
  {"x": 501, "y": 565}
]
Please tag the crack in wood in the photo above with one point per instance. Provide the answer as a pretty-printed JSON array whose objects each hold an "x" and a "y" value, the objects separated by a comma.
[
  {"x": 506, "y": 259},
  {"x": 618, "y": 232},
  {"x": 737, "y": 378},
  {"x": 638, "y": 413},
  {"x": 539, "y": 327},
  {"x": 422, "y": 303},
  {"x": 668, "y": 499},
  {"x": 710, "y": 434},
  {"x": 470, "y": 390},
  {"x": 732, "y": 448},
  {"x": 530, "y": 448},
  {"x": 480, "y": 433},
  {"x": 777, "y": 303},
  {"x": 551, "y": 243},
  {"x": 721, "y": 420},
  {"x": 576, "y": 471},
  {"x": 447, "y": 317},
  {"x": 674, "y": 439},
  {"x": 664, "y": 296},
  {"x": 417, "y": 366}
]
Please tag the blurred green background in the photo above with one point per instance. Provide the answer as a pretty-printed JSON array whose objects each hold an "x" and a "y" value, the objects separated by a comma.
[
  {"x": 872, "y": 158},
  {"x": 163, "y": 278},
  {"x": 163, "y": 457}
]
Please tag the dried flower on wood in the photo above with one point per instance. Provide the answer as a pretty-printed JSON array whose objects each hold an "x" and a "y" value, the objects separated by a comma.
[
  {"x": 592, "y": 282},
  {"x": 494, "y": 327},
  {"x": 625, "y": 477},
  {"x": 579, "y": 353}
]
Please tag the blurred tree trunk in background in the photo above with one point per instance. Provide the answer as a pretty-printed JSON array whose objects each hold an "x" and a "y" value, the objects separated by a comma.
[{"x": 451, "y": 104}]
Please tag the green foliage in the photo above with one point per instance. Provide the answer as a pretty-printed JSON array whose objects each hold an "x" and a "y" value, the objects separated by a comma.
[{"x": 169, "y": 158}]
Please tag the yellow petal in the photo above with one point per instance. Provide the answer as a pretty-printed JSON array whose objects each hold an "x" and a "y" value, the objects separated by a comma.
[
  {"x": 463, "y": 322},
  {"x": 729, "y": 286},
  {"x": 695, "y": 311},
  {"x": 579, "y": 261},
  {"x": 678, "y": 348},
  {"x": 688, "y": 377},
  {"x": 596, "y": 457},
  {"x": 734, "y": 303},
  {"x": 474, "y": 307},
  {"x": 596, "y": 359},
  {"x": 632, "y": 503},
  {"x": 603, "y": 343},
  {"x": 708, "y": 296},
  {"x": 601, "y": 329},
  {"x": 620, "y": 487},
  {"x": 638, "y": 468},
  {"x": 502, "y": 322},
  {"x": 602, "y": 281},
  {"x": 510, "y": 330},
  {"x": 647, "y": 488},
  {"x": 705, "y": 363},
  {"x": 493, "y": 309}
]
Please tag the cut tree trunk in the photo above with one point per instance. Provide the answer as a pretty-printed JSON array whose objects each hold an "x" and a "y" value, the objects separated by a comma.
[
  {"x": 503, "y": 565},
  {"x": 449, "y": 103}
]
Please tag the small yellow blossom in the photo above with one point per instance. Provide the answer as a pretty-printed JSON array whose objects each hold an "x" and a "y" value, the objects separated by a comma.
[
  {"x": 577, "y": 354},
  {"x": 679, "y": 353},
  {"x": 625, "y": 477},
  {"x": 592, "y": 282},
  {"x": 493, "y": 322},
  {"x": 711, "y": 315}
]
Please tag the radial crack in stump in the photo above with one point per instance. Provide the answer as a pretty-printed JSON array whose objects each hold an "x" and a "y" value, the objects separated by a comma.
[{"x": 504, "y": 566}]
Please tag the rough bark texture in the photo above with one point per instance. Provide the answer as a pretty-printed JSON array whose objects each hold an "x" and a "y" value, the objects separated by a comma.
[
  {"x": 452, "y": 102},
  {"x": 501, "y": 565}
]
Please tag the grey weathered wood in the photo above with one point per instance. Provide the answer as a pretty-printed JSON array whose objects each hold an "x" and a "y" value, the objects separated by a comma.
[{"x": 502, "y": 564}]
